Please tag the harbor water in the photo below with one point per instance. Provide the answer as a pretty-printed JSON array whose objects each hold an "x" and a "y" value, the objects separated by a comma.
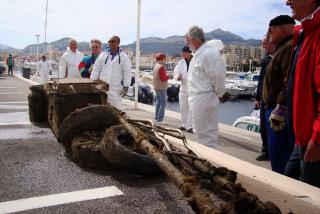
[{"x": 228, "y": 111}]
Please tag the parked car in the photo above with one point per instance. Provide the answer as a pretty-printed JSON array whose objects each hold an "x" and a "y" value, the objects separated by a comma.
[{"x": 2, "y": 67}]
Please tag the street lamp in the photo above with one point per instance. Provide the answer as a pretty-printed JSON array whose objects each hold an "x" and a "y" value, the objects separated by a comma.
[
  {"x": 37, "y": 35},
  {"x": 137, "y": 56},
  {"x": 45, "y": 28}
]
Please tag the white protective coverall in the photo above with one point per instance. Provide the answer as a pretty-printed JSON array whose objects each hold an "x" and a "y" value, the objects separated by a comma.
[
  {"x": 44, "y": 69},
  {"x": 206, "y": 78},
  {"x": 113, "y": 72},
  {"x": 186, "y": 115},
  {"x": 68, "y": 67}
]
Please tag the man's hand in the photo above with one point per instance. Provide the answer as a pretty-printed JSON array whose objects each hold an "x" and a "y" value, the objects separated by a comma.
[
  {"x": 224, "y": 98},
  {"x": 102, "y": 85},
  {"x": 278, "y": 118},
  {"x": 124, "y": 90},
  {"x": 313, "y": 152},
  {"x": 256, "y": 105},
  {"x": 179, "y": 77},
  {"x": 90, "y": 69}
]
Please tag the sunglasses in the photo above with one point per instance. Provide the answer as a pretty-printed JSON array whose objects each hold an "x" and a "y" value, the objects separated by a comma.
[{"x": 112, "y": 41}]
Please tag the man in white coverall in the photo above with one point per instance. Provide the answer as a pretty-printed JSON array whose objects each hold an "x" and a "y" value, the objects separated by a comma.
[
  {"x": 114, "y": 67},
  {"x": 181, "y": 74},
  {"x": 206, "y": 78},
  {"x": 68, "y": 67},
  {"x": 44, "y": 69}
]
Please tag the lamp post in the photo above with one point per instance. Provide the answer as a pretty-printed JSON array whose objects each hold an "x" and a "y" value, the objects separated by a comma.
[
  {"x": 37, "y": 36},
  {"x": 45, "y": 28},
  {"x": 137, "y": 56}
]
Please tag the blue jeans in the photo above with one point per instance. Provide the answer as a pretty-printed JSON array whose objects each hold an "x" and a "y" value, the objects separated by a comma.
[
  {"x": 161, "y": 105},
  {"x": 298, "y": 169},
  {"x": 280, "y": 145}
]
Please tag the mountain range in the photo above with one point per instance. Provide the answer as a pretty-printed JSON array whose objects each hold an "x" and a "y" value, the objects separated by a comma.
[{"x": 170, "y": 45}]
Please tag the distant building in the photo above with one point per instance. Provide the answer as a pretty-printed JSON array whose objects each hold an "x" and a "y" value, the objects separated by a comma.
[{"x": 236, "y": 55}]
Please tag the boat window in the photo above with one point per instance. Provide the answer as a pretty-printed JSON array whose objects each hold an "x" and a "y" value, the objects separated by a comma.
[
  {"x": 232, "y": 76},
  {"x": 255, "y": 78}
]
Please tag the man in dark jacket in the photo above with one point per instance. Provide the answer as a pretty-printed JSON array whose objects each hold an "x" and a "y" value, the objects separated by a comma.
[
  {"x": 280, "y": 148},
  {"x": 269, "y": 47}
]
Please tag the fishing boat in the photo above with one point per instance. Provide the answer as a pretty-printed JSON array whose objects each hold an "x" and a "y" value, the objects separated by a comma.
[{"x": 250, "y": 123}]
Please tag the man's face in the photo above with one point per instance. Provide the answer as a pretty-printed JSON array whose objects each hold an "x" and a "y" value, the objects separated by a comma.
[
  {"x": 43, "y": 59},
  {"x": 275, "y": 34},
  {"x": 191, "y": 43},
  {"x": 186, "y": 55},
  {"x": 267, "y": 45},
  {"x": 95, "y": 48},
  {"x": 73, "y": 46},
  {"x": 299, "y": 8},
  {"x": 114, "y": 43}
]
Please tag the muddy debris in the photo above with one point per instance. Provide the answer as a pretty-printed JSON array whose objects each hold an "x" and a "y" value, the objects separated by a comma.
[
  {"x": 96, "y": 135},
  {"x": 120, "y": 149},
  {"x": 92, "y": 118},
  {"x": 85, "y": 151},
  {"x": 65, "y": 97},
  {"x": 38, "y": 104}
]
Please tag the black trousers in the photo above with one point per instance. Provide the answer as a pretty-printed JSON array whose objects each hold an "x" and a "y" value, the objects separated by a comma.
[
  {"x": 10, "y": 68},
  {"x": 263, "y": 129},
  {"x": 298, "y": 169}
]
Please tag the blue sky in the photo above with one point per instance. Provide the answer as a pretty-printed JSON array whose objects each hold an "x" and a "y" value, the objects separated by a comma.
[{"x": 83, "y": 20}]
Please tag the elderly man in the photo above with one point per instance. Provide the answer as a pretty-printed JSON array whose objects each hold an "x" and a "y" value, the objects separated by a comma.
[
  {"x": 86, "y": 65},
  {"x": 181, "y": 74},
  {"x": 114, "y": 67},
  {"x": 68, "y": 67},
  {"x": 206, "y": 81},
  {"x": 303, "y": 97},
  {"x": 280, "y": 146},
  {"x": 269, "y": 47}
]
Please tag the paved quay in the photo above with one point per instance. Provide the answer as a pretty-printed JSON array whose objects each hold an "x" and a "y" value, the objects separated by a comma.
[{"x": 33, "y": 167}]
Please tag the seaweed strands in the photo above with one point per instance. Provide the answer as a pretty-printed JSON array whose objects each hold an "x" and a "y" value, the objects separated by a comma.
[
  {"x": 85, "y": 150},
  {"x": 207, "y": 188}
]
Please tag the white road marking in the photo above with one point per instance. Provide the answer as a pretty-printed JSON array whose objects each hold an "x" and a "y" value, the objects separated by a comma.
[
  {"x": 15, "y": 124},
  {"x": 7, "y": 87},
  {"x": 12, "y": 107},
  {"x": 9, "y": 103},
  {"x": 58, "y": 199},
  {"x": 8, "y": 93}
]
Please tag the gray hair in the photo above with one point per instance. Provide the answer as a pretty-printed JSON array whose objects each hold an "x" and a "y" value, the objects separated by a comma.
[{"x": 196, "y": 32}]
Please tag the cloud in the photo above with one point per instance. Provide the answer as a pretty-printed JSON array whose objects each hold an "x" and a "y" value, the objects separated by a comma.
[{"x": 20, "y": 20}]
